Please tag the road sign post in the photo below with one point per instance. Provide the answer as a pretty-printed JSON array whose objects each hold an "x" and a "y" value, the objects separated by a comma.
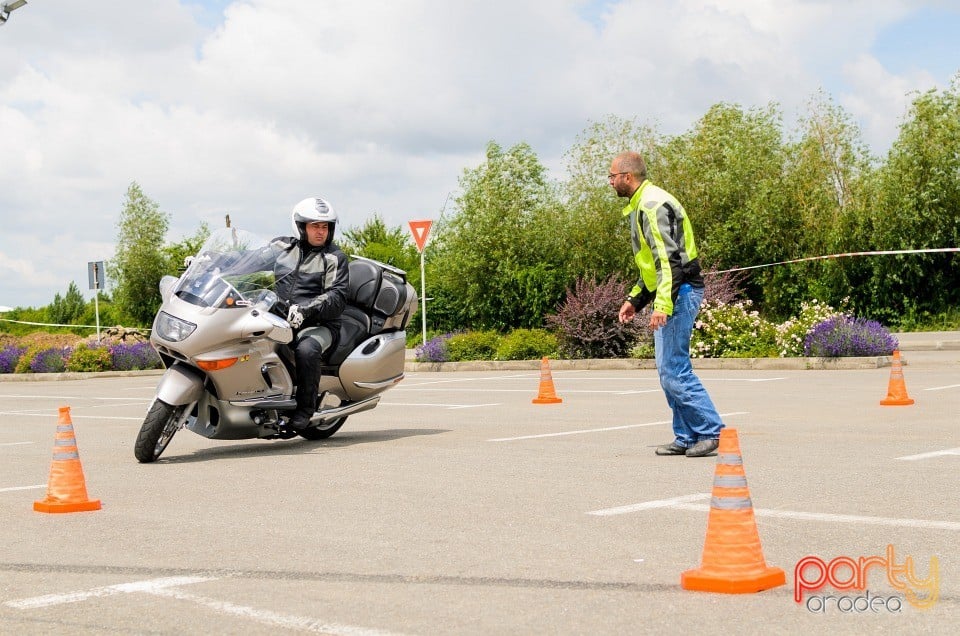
[
  {"x": 97, "y": 280},
  {"x": 421, "y": 230}
]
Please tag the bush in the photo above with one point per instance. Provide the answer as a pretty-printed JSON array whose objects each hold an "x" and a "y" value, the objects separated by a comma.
[
  {"x": 473, "y": 345},
  {"x": 732, "y": 331},
  {"x": 41, "y": 359},
  {"x": 587, "y": 324},
  {"x": 89, "y": 358},
  {"x": 527, "y": 344},
  {"x": 792, "y": 334},
  {"x": 435, "y": 349},
  {"x": 9, "y": 356},
  {"x": 846, "y": 336},
  {"x": 644, "y": 351},
  {"x": 132, "y": 357}
]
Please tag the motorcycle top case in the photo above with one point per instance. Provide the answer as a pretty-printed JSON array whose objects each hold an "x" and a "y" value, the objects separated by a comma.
[{"x": 382, "y": 293}]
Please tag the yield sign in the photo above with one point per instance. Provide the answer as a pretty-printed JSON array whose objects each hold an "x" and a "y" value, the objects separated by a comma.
[{"x": 420, "y": 231}]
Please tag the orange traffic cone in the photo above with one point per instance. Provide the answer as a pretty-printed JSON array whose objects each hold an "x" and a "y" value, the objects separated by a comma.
[
  {"x": 66, "y": 489},
  {"x": 896, "y": 389},
  {"x": 547, "y": 394},
  {"x": 733, "y": 560}
]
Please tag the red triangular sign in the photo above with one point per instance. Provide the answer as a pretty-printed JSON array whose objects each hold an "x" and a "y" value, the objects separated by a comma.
[{"x": 420, "y": 231}]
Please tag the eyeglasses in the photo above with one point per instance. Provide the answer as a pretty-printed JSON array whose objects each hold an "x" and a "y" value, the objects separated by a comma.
[{"x": 614, "y": 175}]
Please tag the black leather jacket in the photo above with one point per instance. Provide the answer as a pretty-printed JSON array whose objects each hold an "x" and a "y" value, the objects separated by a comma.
[{"x": 315, "y": 278}]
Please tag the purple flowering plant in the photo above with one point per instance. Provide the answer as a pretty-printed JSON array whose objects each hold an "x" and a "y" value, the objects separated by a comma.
[
  {"x": 9, "y": 356},
  {"x": 52, "y": 360},
  {"x": 847, "y": 336},
  {"x": 136, "y": 356},
  {"x": 434, "y": 349}
]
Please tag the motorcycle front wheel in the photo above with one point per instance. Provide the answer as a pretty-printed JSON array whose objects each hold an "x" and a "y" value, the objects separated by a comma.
[
  {"x": 323, "y": 431},
  {"x": 158, "y": 428}
]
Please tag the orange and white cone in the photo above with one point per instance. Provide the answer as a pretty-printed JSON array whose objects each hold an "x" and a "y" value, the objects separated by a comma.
[
  {"x": 547, "y": 394},
  {"x": 896, "y": 388},
  {"x": 66, "y": 488},
  {"x": 733, "y": 560}
]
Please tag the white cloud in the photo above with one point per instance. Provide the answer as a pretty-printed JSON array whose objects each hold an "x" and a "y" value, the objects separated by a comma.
[
  {"x": 879, "y": 98},
  {"x": 377, "y": 105}
]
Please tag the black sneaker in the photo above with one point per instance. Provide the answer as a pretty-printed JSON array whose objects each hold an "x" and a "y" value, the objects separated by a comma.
[
  {"x": 704, "y": 448},
  {"x": 671, "y": 449}
]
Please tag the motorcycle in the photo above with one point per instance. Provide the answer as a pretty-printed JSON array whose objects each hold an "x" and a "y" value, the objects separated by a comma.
[{"x": 224, "y": 342}]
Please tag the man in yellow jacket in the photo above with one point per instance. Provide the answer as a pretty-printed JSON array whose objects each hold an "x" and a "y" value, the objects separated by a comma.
[{"x": 666, "y": 253}]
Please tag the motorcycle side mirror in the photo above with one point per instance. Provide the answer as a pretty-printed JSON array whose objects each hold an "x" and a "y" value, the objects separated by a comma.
[{"x": 166, "y": 285}]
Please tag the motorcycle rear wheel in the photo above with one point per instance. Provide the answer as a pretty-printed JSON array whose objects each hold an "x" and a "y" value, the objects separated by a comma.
[
  {"x": 158, "y": 428},
  {"x": 324, "y": 430}
]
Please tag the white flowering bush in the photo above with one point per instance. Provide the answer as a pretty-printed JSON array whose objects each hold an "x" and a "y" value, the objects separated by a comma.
[
  {"x": 792, "y": 333},
  {"x": 733, "y": 330}
]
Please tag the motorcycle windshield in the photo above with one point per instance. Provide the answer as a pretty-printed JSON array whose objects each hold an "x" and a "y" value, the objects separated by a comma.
[{"x": 233, "y": 269}]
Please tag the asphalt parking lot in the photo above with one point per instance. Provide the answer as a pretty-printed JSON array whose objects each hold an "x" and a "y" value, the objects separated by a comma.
[{"x": 459, "y": 507}]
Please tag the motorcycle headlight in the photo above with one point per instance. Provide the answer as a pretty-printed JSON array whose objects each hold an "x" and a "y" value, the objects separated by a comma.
[{"x": 171, "y": 328}]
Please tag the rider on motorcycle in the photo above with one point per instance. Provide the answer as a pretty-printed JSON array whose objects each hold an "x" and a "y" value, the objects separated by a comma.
[{"x": 312, "y": 277}]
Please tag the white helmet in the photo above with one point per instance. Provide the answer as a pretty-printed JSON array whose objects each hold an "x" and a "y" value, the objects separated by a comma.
[{"x": 310, "y": 211}]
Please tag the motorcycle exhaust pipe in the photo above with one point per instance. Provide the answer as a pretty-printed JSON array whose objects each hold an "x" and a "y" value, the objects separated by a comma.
[{"x": 342, "y": 411}]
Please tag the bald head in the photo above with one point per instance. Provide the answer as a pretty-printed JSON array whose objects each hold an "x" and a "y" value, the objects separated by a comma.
[
  {"x": 631, "y": 162},
  {"x": 627, "y": 173}
]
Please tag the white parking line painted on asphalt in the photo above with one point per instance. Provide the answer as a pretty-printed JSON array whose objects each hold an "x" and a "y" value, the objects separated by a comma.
[
  {"x": 596, "y": 430},
  {"x": 13, "y": 488},
  {"x": 533, "y": 390},
  {"x": 413, "y": 381},
  {"x": 73, "y": 416},
  {"x": 821, "y": 516},
  {"x": 109, "y": 590},
  {"x": 708, "y": 379},
  {"x": 69, "y": 397},
  {"x": 682, "y": 503},
  {"x": 648, "y": 505},
  {"x": 941, "y": 388},
  {"x": 940, "y": 453},
  {"x": 577, "y": 432},
  {"x": 15, "y": 443},
  {"x": 268, "y": 617},
  {"x": 165, "y": 587},
  {"x": 439, "y": 406}
]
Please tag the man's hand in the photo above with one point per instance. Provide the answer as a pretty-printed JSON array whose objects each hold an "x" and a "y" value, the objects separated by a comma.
[
  {"x": 295, "y": 316},
  {"x": 627, "y": 312},
  {"x": 657, "y": 320}
]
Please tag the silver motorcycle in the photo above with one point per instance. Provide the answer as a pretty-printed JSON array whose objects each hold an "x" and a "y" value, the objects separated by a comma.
[{"x": 230, "y": 373}]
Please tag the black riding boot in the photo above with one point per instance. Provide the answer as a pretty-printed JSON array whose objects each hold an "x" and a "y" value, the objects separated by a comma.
[{"x": 307, "y": 357}]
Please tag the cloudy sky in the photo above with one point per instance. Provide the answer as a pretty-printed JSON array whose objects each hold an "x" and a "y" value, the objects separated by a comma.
[{"x": 245, "y": 107}]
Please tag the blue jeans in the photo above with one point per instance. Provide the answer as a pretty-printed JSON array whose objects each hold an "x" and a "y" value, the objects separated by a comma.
[{"x": 694, "y": 415}]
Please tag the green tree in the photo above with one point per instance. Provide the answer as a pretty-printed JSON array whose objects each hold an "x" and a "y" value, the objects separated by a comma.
[
  {"x": 175, "y": 253},
  {"x": 388, "y": 245},
  {"x": 140, "y": 260},
  {"x": 65, "y": 309},
  {"x": 727, "y": 173},
  {"x": 499, "y": 259},
  {"x": 918, "y": 206},
  {"x": 597, "y": 240},
  {"x": 824, "y": 191}
]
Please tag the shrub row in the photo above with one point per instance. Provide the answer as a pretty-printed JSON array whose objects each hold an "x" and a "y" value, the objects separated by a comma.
[
  {"x": 520, "y": 344},
  {"x": 44, "y": 358},
  {"x": 723, "y": 330},
  {"x": 736, "y": 331}
]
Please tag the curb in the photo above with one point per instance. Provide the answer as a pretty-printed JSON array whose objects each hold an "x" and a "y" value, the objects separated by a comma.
[
  {"x": 743, "y": 364},
  {"x": 74, "y": 375}
]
